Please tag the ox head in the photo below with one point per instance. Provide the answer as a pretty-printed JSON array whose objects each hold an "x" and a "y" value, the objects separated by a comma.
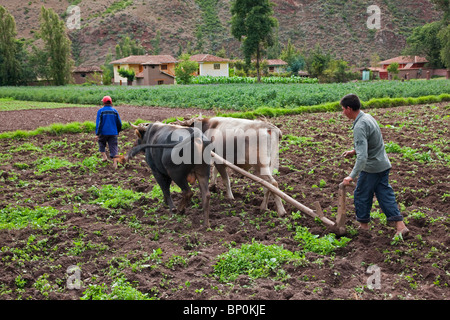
[{"x": 140, "y": 130}]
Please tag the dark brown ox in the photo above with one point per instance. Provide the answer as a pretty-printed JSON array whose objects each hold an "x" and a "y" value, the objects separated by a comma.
[
  {"x": 163, "y": 144},
  {"x": 249, "y": 144}
]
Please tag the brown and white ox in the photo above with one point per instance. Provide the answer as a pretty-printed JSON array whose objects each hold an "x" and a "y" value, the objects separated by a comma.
[{"x": 249, "y": 144}]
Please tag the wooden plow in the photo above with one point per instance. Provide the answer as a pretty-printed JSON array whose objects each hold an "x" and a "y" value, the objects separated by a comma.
[{"x": 337, "y": 227}]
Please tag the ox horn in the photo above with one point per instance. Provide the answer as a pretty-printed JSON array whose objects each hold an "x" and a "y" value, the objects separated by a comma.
[{"x": 133, "y": 125}]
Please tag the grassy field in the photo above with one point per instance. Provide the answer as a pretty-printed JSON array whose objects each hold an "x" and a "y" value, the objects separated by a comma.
[
  {"x": 239, "y": 97},
  {"x": 9, "y": 104}
]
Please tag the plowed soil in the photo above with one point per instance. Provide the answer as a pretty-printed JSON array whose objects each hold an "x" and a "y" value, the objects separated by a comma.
[{"x": 106, "y": 243}]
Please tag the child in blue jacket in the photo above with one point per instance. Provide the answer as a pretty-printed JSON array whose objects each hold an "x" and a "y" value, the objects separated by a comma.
[{"x": 108, "y": 126}]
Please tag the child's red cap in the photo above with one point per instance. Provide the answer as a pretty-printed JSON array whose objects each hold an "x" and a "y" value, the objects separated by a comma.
[{"x": 107, "y": 99}]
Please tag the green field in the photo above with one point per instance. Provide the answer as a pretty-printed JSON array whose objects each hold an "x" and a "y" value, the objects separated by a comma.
[
  {"x": 8, "y": 104},
  {"x": 239, "y": 97}
]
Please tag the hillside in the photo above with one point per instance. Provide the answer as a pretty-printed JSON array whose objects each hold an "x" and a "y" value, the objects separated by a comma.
[{"x": 337, "y": 25}]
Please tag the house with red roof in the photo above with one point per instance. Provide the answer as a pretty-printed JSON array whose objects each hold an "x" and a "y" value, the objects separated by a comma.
[
  {"x": 81, "y": 74},
  {"x": 409, "y": 67},
  {"x": 210, "y": 65},
  {"x": 149, "y": 69}
]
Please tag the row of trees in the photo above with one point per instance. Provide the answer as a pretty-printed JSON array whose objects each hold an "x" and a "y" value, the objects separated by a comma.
[{"x": 19, "y": 64}]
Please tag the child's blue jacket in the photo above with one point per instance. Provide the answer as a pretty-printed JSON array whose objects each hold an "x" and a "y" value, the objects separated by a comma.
[{"x": 108, "y": 122}]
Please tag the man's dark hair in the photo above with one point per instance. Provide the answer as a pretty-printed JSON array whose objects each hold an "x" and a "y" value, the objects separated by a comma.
[{"x": 352, "y": 101}]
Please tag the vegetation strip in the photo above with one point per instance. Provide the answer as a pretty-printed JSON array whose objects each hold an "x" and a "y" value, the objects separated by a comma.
[
  {"x": 89, "y": 126},
  {"x": 237, "y": 97},
  {"x": 334, "y": 106}
]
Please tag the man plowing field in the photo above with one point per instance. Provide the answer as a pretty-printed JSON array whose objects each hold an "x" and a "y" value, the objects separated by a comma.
[{"x": 372, "y": 167}]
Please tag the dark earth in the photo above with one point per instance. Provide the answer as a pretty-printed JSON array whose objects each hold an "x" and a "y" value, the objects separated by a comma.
[{"x": 108, "y": 242}]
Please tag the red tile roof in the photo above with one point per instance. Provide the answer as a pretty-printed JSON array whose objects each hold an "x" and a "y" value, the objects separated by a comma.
[
  {"x": 146, "y": 59},
  {"x": 207, "y": 58},
  {"x": 405, "y": 60},
  {"x": 276, "y": 62},
  {"x": 86, "y": 69}
]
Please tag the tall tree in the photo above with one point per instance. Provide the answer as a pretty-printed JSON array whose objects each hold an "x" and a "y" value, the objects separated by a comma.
[
  {"x": 9, "y": 64},
  {"x": 253, "y": 24},
  {"x": 293, "y": 58},
  {"x": 444, "y": 37},
  {"x": 317, "y": 61},
  {"x": 58, "y": 46},
  {"x": 424, "y": 42}
]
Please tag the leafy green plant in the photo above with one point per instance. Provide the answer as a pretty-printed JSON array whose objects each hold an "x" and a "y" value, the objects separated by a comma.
[
  {"x": 323, "y": 245},
  {"x": 120, "y": 289},
  {"x": 255, "y": 260},
  {"x": 21, "y": 217},
  {"x": 109, "y": 196},
  {"x": 47, "y": 163}
]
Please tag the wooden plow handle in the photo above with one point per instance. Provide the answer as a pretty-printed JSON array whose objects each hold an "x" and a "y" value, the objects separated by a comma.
[{"x": 338, "y": 227}]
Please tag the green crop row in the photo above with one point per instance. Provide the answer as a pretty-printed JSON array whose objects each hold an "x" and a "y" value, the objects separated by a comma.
[
  {"x": 335, "y": 106},
  {"x": 238, "y": 97},
  {"x": 236, "y": 79}
]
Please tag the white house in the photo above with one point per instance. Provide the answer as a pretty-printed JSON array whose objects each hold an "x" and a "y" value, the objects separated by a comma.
[{"x": 210, "y": 65}]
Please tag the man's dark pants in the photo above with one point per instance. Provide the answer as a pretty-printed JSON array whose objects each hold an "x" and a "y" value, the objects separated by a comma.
[{"x": 375, "y": 183}]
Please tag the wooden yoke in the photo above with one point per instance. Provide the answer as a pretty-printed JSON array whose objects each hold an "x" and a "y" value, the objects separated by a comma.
[{"x": 313, "y": 213}]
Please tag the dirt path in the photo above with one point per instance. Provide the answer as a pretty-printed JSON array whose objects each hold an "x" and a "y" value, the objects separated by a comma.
[{"x": 32, "y": 119}]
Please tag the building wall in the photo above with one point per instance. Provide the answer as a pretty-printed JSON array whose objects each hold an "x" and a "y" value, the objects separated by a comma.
[
  {"x": 91, "y": 76},
  {"x": 207, "y": 69},
  {"x": 152, "y": 75}
]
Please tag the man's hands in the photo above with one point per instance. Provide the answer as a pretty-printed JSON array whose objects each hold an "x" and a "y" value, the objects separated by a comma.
[
  {"x": 347, "y": 181},
  {"x": 348, "y": 154}
]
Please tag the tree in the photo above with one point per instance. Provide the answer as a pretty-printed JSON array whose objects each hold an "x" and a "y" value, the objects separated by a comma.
[
  {"x": 424, "y": 42},
  {"x": 393, "y": 68},
  {"x": 39, "y": 63},
  {"x": 185, "y": 68},
  {"x": 317, "y": 61},
  {"x": 129, "y": 74},
  {"x": 375, "y": 60},
  {"x": 444, "y": 37},
  {"x": 58, "y": 46},
  {"x": 156, "y": 43},
  {"x": 9, "y": 64},
  {"x": 274, "y": 51},
  {"x": 127, "y": 47},
  {"x": 253, "y": 24},
  {"x": 293, "y": 58},
  {"x": 338, "y": 71},
  {"x": 108, "y": 69}
]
